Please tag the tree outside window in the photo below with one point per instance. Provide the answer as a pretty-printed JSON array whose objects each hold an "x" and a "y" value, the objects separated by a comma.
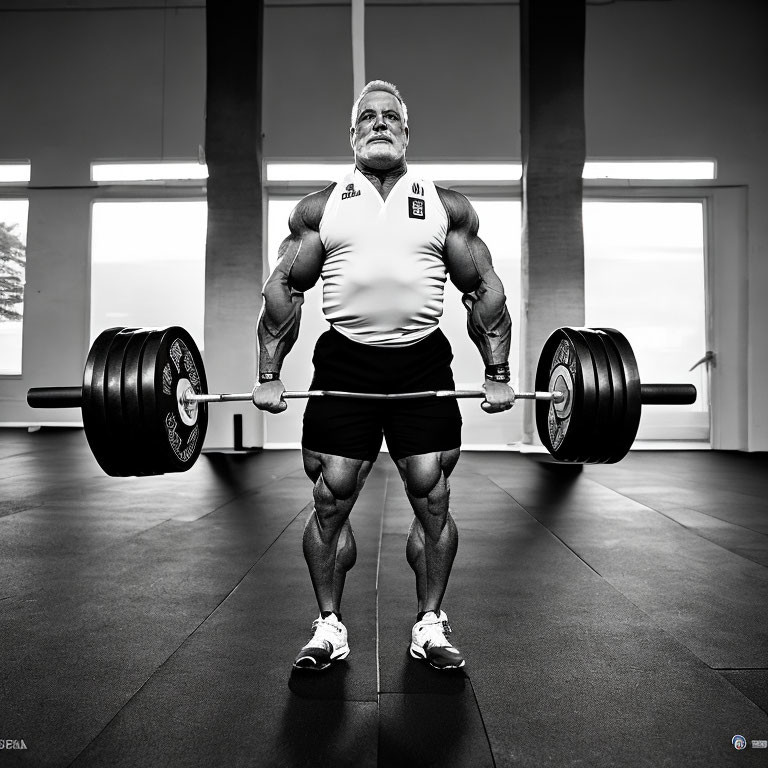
[
  {"x": 12, "y": 264},
  {"x": 13, "y": 258}
]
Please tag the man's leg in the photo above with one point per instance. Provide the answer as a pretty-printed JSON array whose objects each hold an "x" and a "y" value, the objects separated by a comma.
[
  {"x": 330, "y": 551},
  {"x": 433, "y": 538},
  {"x": 431, "y": 549},
  {"x": 329, "y": 545}
]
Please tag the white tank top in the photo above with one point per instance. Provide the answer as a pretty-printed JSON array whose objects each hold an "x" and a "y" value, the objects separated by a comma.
[{"x": 383, "y": 275}]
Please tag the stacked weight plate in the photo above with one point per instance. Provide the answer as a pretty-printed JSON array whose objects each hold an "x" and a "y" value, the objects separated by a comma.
[
  {"x": 626, "y": 378},
  {"x": 104, "y": 445},
  {"x": 132, "y": 387},
  {"x": 597, "y": 422}
]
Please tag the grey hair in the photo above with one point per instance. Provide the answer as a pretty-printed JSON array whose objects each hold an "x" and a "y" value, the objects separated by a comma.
[{"x": 379, "y": 85}]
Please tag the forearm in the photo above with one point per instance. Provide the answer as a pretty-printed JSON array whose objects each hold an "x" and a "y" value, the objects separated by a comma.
[
  {"x": 488, "y": 320},
  {"x": 278, "y": 326}
]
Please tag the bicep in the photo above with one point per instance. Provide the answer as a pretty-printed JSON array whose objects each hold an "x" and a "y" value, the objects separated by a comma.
[
  {"x": 300, "y": 256},
  {"x": 467, "y": 259}
]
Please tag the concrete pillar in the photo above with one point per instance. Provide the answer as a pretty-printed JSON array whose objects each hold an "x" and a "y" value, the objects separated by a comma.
[
  {"x": 553, "y": 148},
  {"x": 234, "y": 250}
]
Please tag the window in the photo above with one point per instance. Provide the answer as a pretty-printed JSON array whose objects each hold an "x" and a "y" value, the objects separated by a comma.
[
  {"x": 13, "y": 253},
  {"x": 148, "y": 264},
  {"x": 141, "y": 173},
  {"x": 15, "y": 173},
  {"x": 644, "y": 275}
]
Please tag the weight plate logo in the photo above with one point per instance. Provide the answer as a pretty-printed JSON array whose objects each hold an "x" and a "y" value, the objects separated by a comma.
[
  {"x": 183, "y": 452},
  {"x": 176, "y": 353},
  {"x": 184, "y": 363},
  {"x": 167, "y": 379},
  {"x": 191, "y": 369},
  {"x": 557, "y": 426}
]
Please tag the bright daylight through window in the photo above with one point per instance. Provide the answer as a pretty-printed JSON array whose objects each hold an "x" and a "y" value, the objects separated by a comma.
[
  {"x": 13, "y": 259},
  {"x": 148, "y": 265}
]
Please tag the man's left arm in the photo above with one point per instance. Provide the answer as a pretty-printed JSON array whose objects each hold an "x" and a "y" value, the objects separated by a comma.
[{"x": 469, "y": 265}]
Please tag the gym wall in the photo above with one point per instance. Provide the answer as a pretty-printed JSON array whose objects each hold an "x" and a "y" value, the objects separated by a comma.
[
  {"x": 91, "y": 82},
  {"x": 86, "y": 80}
]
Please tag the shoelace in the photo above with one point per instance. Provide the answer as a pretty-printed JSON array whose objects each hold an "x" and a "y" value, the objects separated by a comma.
[
  {"x": 436, "y": 634},
  {"x": 324, "y": 631}
]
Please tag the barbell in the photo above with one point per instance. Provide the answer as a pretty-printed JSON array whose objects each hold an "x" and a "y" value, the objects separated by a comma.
[{"x": 144, "y": 398}]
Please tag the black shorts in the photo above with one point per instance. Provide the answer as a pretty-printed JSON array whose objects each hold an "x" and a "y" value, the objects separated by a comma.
[{"x": 354, "y": 428}]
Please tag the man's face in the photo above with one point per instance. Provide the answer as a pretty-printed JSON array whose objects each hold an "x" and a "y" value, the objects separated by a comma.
[{"x": 379, "y": 138}]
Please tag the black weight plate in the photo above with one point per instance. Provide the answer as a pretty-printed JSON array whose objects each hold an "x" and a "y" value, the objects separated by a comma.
[
  {"x": 146, "y": 400},
  {"x": 131, "y": 387},
  {"x": 94, "y": 400},
  {"x": 553, "y": 420},
  {"x": 564, "y": 428},
  {"x": 583, "y": 439},
  {"x": 123, "y": 451},
  {"x": 633, "y": 402},
  {"x": 599, "y": 436},
  {"x": 614, "y": 435},
  {"x": 172, "y": 362}
]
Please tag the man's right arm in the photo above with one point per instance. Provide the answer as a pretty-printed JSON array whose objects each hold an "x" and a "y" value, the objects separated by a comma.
[{"x": 300, "y": 261}]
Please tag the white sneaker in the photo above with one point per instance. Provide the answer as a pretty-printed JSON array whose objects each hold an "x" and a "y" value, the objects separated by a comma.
[
  {"x": 429, "y": 642},
  {"x": 328, "y": 643}
]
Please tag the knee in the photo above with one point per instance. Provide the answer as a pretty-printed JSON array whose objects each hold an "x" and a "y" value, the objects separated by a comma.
[
  {"x": 337, "y": 483},
  {"x": 424, "y": 477},
  {"x": 329, "y": 512}
]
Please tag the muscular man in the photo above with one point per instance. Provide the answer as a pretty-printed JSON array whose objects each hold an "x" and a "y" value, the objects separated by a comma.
[{"x": 383, "y": 240}]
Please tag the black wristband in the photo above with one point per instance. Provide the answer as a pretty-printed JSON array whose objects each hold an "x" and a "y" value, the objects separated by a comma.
[
  {"x": 266, "y": 376},
  {"x": 497, "y": 373}
]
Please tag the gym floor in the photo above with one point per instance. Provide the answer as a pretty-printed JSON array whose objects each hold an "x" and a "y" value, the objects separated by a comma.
[{"x": 610, "y": 617}]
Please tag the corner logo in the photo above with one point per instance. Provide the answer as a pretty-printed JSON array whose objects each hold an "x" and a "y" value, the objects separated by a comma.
[
  {"x": 351, "y": 192},
  {"x": 12, "y": 744},
  {"x": 739, "y": 742},
  {"x": 416, "y": 208}
]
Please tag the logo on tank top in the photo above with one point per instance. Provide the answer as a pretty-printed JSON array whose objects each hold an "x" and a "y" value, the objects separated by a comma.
[
  {"x": 351, "y": 192},
  {"x": 417, "y": 189},
  {"x": 416, "y": 209}
]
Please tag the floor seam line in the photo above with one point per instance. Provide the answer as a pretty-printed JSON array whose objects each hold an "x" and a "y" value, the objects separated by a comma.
[
  {"x": 240, "y": 495},
  {"x": 608, "y": 582},
  {"x": 664, "y": 514},
  {"x": 186, "y": 639},
  {"x": 378, "y": 569},
  {"x": 546, "y": 528},
  {"x": 736, "y": 688},
  {"x": 482, "y": 720}
]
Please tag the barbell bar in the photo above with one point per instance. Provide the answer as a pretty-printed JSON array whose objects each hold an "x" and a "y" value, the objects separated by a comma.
[
  {"x": 144, "y": 398},
  {"x": 191, "y": 397},
  {"x": 72, "y": 397}
]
